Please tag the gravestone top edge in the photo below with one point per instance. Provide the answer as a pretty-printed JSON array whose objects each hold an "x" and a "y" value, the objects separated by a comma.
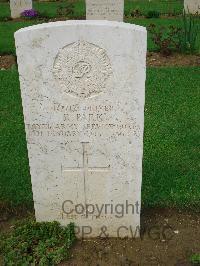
[{"x": 107, "y": 23}]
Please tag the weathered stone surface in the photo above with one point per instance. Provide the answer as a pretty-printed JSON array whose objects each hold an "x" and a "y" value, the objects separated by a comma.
[
  {"x": 83, "y": 88},
  {"x": 192, "y": 6},
  {"x": 105, "y": 10},
  {"x": 18, "y": 6}
]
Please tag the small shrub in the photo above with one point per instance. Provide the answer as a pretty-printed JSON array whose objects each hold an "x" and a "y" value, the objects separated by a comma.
[
  {"x": 189, "y": 33},
  {"x": 195, "y": 259},
  {"x": 37, "y": 244},
  {"x": 67, "y": 10},
  {"x": 29, "y": 13},
  {"x": 136, "y": 13},
  {"x": 5, "y": 19},
  {"x": 153, "y": 14},
  {"x": 43, "y": 15},
  {"x": 165, "y": 38},
  {"x": 172, "y": 13}
]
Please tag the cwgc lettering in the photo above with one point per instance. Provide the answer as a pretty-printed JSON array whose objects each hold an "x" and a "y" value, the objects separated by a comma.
[
  {"x": 18, "y": 6},
  {"x": 105, "y": 10},
  {"x": 83, "y": 89}
]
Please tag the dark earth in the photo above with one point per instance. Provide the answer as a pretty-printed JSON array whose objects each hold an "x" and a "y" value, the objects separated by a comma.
[
  {"x": 169, "y": 237},
  {"x": 157, "y": 60},
  {"x": 7, "y": 61}
]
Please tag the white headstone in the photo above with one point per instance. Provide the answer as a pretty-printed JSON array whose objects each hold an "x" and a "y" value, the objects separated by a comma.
[
  {"x": 18, "y": 6},
  {"x": 192, "y": 6},
  {"x": 83, "y": 89},
  {"x": 105, "y": 10}
]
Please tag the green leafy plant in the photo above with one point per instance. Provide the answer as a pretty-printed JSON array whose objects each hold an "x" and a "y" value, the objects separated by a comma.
[
  {"x": 172, "y": 12},
  {"x": 37, "y": 243},
  {"x": 43, "y": 15},
  {"x": 195, "y": 259},
  {"x": 4, "y": 19},
  {"x": 136, "y": 13},
  {"x": 165, "y": 38},
  {"x": 189, "y": 33},
  {"x": 67, "y": 10},
  {"x": 153, "y": 14}
]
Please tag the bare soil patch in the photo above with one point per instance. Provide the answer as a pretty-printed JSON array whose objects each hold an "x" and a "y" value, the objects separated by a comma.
[
  {"x": 6, "y": 61},
  {"x": 169, "y": 238},
  {"x": 157, "y": 60},
  {"x": 46, "y": 20},
  {"x": 172, "y": 246}
]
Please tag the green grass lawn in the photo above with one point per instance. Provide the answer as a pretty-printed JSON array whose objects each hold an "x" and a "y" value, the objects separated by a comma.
[
  {"x": 7, "y": 30},
  {"x": 50, "y": 9},
  {"x": 171, "y": 165},
  {"x": 163, "y": 6}
]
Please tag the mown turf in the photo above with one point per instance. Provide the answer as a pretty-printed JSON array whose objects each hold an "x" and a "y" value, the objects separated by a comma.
[
  {"x": 172, "y": 134},
  {"x": 172, "y": 7},
  {"x": 7, "y": 30},
  {"x": 15, "y": 183},
  {"x": 171, "y": 164},
  {"x": 50, "y": 9}
]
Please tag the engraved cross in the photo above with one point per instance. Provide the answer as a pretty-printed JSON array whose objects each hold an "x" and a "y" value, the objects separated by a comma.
[{"x": 85, "y": 169}]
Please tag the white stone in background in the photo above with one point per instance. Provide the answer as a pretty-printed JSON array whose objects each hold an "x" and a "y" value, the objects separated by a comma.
[
  {"x": 18, "y": 6},
  {"x": 105, "y": 10},
  {"x": 83, "y": 90},
  {"x": 192, "y": 6}
]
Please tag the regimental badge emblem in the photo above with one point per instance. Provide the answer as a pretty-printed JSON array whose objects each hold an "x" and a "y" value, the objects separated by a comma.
[{"x": 82, "y": 69}]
